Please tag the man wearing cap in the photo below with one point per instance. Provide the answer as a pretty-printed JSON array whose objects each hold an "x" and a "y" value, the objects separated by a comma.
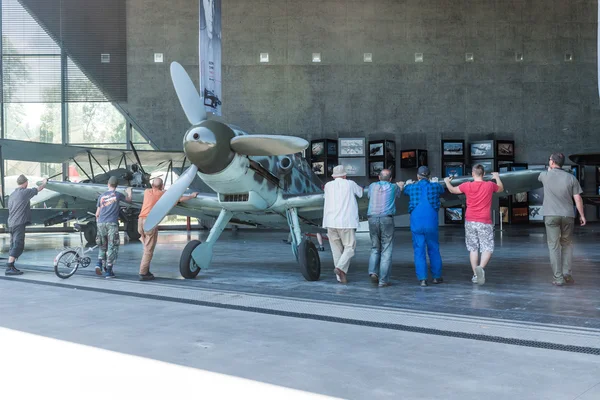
[
  {"x": 423, "y": 207},
  {"x": 19, "y": 216},
  {"x": 479, "y": 230},
  {"x": 340, "y": 217},
  {"x": 382, "y": 208},
  {"x": 107, "y": 218}
]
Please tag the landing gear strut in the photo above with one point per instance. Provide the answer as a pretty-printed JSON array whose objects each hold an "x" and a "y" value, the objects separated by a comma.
[
  {"x": 304, "y": 249},
  {"x": 197, "y": 255}
]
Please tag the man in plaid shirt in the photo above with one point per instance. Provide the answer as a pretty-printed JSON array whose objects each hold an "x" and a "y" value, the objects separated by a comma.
[{"x": 423, "y": 206}]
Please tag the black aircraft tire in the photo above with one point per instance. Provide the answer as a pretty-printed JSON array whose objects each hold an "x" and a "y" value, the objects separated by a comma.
[
  {"x": 187, "y": 267},
  {"x": 131, "y": 228},
  {"x": 90, "y": 231},
  {"x": 309, "y": 260}
]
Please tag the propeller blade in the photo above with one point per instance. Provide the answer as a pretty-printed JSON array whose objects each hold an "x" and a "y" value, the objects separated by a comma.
[
  {"x": 190, "y": 100},
  {"x": 267, "y": 145},
  {"x": 170, "y": 198}
]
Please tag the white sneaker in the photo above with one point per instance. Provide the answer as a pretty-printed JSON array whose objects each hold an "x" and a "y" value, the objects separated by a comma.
[
  {"x": 474, "y": 279},
  {"x": 480, "y": 275}
]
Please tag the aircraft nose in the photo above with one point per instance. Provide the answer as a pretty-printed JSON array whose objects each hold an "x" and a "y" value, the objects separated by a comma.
[{"x": 206, "y": 149}]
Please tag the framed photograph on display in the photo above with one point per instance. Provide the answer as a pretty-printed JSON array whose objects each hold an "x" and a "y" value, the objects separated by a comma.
[
  {"x": 454, "y": 169},
  {"x": 318, "y": 168},
  {"x": 519, "y": 215},
  {"x": 453, "y": 148},
  {"x": 332, "y": 148},
  {"x": 354, "y": 166},
  {"x": 376, "y": 149},
  {"x": 535, "y": 213},
  {"x": 317, "y": 149},
  {"x": 354, "y": 147},
  {"x": 375, "y": 167},
  {"x": 488, "y": 165},
  {"x": 330, "y": 166},
  {"x": 422, "y": 158},
  {"x": 536, "y": 197},
  {"x": 505, "y": 149},
  {"x": 454, "y": 215},
  {"x": 482, "y": 149},
  {"x": 390, "y": 149},
  {"x": 408, "y": 159},
  {"x": 520, "y": 197}
]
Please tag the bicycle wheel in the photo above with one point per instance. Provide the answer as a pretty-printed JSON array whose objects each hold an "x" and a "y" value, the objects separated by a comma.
[{"x": 66, "y": 263}]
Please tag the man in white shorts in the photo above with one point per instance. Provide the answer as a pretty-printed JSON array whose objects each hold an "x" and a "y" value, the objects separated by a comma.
[{"x": 479, "y": 230}]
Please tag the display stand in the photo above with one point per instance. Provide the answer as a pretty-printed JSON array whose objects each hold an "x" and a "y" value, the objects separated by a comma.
[
  {"x": 454, "y": 160},
  {"x": 323, "y": 157},
  {"x": 382, "y": 155}
]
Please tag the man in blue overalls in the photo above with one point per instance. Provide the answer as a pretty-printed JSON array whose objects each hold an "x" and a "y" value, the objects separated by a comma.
[{"x": 423, "y": 206}]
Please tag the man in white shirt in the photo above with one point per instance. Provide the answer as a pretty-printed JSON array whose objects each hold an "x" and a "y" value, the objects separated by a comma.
[{"x": 340, "y": 217}]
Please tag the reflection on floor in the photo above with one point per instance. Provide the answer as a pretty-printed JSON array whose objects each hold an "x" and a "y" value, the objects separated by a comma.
[{"x": 517, "y": 288}]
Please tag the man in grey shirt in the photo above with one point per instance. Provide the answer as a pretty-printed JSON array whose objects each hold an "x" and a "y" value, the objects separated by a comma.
[
  {"x": 19, "y": 216},
  {"x": 560, "y": 188}
]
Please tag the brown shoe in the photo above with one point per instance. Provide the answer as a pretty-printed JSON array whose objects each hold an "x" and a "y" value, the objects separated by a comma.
[
  {"x": 341, "y": 274},
  {"x": 569, "y": 280}
]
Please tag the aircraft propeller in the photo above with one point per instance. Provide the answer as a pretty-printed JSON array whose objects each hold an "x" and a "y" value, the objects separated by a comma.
[{"x": 210, "y": 142}]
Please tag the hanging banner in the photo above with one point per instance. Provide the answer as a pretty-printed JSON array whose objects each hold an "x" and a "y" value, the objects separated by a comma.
[{"x": 210, "y": 54}]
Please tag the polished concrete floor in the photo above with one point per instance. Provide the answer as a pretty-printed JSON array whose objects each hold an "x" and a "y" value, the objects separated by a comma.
[
  {"x": 253, "y": 316},
  {"x": 518, "y": 283}
]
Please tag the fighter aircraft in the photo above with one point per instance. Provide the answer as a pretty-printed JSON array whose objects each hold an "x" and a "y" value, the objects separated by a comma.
[{"x": 258, "y": 180}]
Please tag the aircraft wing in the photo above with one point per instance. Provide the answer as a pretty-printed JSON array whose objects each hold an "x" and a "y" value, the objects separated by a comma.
[
  {"x": 91, "y": 191},
  {"x": 58, "y": 153},
  {"x": 514, "y": 182}
]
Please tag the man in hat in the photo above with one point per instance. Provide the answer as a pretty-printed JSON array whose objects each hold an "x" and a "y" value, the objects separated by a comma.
[
  {"x": 479, "y": 230},
  {"x": 340, "y": 217},
  {"x": 423, "y": 207},
  {"x": 107, "y": 218},
  {"x": 19, "y": 216},
  {"x": 382, "y": 208}
]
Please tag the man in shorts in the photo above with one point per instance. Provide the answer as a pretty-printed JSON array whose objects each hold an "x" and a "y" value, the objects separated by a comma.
[{"x": 479, "y": 230}]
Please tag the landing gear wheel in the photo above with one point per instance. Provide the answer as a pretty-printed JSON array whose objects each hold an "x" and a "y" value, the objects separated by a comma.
[
  {"x": 89, "y": 232},
  {"x": 131, "y": 230},
  {"x": 187, "y": 266},
  {"x": 308, "y": 258}
]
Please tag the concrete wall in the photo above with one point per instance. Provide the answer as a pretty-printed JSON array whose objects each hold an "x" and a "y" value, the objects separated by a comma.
[{"x": 543, "y": 103}]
